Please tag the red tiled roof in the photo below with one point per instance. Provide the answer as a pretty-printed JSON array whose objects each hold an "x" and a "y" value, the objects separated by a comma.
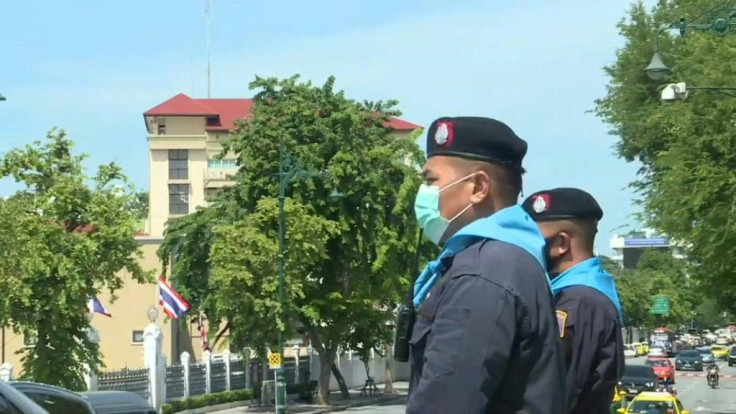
[{"x": 227, "y": 111}]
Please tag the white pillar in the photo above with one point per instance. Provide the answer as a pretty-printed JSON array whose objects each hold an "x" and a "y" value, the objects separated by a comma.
[
  {"x": 6, "y": 372},
  {"x": 90, "y": 375},
  {"x": 312, "y": 368},
  {"x": 296, "y": 364},
  {"x": 246, "y": 365},
  {"x": 185, "y": 360},
  {"x": 226, "y": 357},
  {"x": 207, "y": 356},
  {"x": 153, "y": 339},
  {"x": 373, "y": 363}
]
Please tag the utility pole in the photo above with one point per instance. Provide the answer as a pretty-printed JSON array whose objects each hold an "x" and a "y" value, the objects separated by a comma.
[{"x": 209, "y": 47}]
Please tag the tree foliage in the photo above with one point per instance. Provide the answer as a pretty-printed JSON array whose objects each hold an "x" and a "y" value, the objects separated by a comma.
[
  {"x": 657, "y": 273},
  {"x": 348, "y": 261},
  {"x": 62, "y": 240},
  {"x": 687, "y": 179}
]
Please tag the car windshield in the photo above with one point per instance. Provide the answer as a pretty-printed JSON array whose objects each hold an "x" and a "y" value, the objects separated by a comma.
[
  {"x": 733, "y": 351},
  {"x": 638, "y": 371},
  {"x": 658, "y": 363},
  {"x": 646, "y": 407},
  {"x": 718, "y": 348},
  {"x": 688, "y": 354},
  {"x": 705, "y": 351}
]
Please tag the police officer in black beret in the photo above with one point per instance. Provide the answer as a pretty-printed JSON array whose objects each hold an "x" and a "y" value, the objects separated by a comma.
[
  {"x": 485, "y": 338},
  {"x": 588, "y": 307}
]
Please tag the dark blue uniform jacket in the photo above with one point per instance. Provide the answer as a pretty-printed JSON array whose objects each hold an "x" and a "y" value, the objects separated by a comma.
[{"x": 486, "y": 338}]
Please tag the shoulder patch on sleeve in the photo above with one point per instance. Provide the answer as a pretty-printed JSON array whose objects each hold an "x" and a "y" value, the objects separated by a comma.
[{"x": 561, "y": 320}]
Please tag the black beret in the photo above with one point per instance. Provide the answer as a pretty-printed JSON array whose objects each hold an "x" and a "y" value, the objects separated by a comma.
[
  {"x": 476, "y": 138},
  {"x": 562, "y": 204}
]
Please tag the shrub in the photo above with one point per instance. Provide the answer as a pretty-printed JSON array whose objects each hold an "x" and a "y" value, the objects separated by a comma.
[{"x": 206, "y": 400}]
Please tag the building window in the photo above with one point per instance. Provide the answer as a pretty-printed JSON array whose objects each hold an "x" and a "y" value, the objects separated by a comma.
[
  {"x": 30, "y": 339},
  {"x": 178, "y": 164},
  {"x": 225, "y": 164},
  {"x": 137, "y": 337},
  {"x": 178, "y": 199},
  {"x": 161, "y": 126}
]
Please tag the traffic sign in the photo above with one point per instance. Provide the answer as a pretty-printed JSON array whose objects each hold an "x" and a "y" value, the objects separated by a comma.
[
  {"x": 660, "y": 305},
  {"x": 274, "y": 361}
]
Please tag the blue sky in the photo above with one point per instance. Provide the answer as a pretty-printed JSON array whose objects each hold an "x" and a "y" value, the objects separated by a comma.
[{"x": 93, "y": 67}]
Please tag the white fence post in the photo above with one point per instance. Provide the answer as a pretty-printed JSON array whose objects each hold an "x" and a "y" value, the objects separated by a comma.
[
  {"x": 226, "y": 357},
  {"x": 207, "y": 355},
  {"x": 246, "y": 364},
  {"x": 6, "y": 372},
  {"x": 153, "y": 339},
  {"x": 185, "y": 360},
  {"x": 90, "y": 375}
]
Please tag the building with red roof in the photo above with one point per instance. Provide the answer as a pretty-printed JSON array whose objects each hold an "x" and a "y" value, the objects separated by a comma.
[{"x": 184, "y": 136}]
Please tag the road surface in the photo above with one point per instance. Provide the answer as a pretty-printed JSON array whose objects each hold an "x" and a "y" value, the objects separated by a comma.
[{"x": 692, "y": 389}]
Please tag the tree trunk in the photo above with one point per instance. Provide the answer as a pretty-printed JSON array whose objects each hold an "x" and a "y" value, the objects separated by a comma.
[
  {"x": 340, "y": 381},
  {"x": 388, "y": 386},
  {"x": 325, "y": 365}
]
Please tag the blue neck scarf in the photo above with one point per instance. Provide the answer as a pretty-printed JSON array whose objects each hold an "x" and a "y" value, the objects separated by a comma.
[
  {"x": 589, "y": 273},
  {"x": 511, "y": 225}
]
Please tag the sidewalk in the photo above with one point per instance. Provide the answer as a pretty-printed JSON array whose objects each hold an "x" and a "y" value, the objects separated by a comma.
[{"x": 337, "y": 402}]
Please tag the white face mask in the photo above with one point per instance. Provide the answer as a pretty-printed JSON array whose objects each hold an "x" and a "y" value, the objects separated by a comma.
[{"x": 427, "y": 210}]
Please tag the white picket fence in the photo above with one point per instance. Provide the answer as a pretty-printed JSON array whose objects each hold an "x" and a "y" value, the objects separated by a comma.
[{"x": 160, "y": 383}]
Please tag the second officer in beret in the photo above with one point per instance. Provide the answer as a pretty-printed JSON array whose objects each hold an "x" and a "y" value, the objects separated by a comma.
[
  {"x": 485, "y": 338},
  {"x": 588, "y": 307}
]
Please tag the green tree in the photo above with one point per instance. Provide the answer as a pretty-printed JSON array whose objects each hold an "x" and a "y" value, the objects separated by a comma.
[
  {"x": 348, "y": 261},
  {"x": 687, "y": 179},
  {"x": 62, "y": 240},
  {"x": 138, "y": 205}
]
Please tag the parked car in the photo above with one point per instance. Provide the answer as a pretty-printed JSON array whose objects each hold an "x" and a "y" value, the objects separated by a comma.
[
  {"x": 706, "y": 354},
  {"x": 118, "y": 402},
  {"x": 629, "y": 351},
  {"x": 638, "y": 378},
  {"x": 689, "y": 360},
  {"x": 732, "y": 357},
  {"x": 57, "y": 400},
  {"x": 657, "y": 351},
  {"x": 663, "y": 369},
  {"x": 13, "y": 401}
]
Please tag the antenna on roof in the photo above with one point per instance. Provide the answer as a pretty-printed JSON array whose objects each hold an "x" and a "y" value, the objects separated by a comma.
[{"x": 209, "y": 69}]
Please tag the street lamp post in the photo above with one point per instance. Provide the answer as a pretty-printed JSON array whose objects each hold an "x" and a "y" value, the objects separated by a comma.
[
  {"x": 680, "y": 91},
  {"x": 285, "y": 176},
  {"x": 719, "y": 20}
]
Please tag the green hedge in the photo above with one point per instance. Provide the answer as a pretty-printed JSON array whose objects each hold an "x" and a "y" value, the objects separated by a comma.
[{"x": 206, "y": 400}]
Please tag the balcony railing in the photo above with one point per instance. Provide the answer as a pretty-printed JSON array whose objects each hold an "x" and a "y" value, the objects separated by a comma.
[{"x": 220, "y": 175}]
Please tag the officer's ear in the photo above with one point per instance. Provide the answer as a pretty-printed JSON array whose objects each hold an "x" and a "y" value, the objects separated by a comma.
[
  {"x": 563, "y": 243},
  {"x": 482, "y": 187}
]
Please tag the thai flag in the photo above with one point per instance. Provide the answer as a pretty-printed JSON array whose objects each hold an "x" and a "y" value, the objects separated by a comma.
[
  {"x": 174, "y": 305},
  {"x": 95, "y": 306}
]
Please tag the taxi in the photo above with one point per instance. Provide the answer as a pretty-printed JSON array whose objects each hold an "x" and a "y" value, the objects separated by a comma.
[
  {"x": 719, "y": 351},
  {"x": 654, "y": 402},
  {"x": 642, "y": 348}
]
